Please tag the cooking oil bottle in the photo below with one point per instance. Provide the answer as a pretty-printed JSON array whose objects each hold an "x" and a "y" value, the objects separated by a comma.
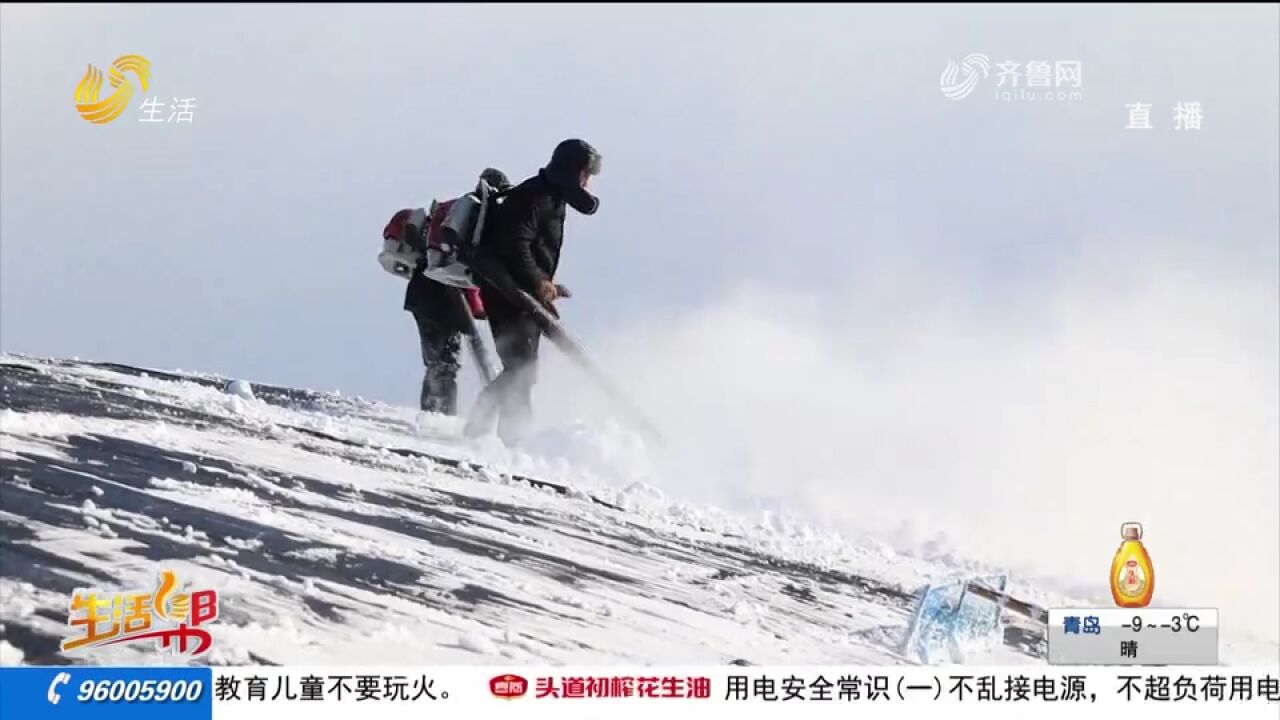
[{"x": 1132, "y": 577}]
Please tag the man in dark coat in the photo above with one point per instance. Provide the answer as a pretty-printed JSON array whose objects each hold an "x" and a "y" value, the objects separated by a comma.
[{"x": 524, "y": 246}]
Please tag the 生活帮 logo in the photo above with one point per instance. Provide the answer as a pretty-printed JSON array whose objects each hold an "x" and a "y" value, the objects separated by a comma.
[{"x": 171, "y": 616}]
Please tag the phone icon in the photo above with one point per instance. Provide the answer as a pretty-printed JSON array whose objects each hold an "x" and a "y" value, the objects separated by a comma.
[{"x": 61, "y": 678}]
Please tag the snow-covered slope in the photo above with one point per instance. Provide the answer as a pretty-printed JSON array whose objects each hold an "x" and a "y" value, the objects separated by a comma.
[{"x": 346, "y": 531}]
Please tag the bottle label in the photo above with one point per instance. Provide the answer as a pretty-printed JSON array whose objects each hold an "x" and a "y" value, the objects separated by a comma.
[{"x": 1132, "y": 580}]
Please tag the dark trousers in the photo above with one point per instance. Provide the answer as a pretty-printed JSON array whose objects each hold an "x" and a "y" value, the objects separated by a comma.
[
  {"x": 441, "y": 345},
  {"x": 510, "y": 396}
]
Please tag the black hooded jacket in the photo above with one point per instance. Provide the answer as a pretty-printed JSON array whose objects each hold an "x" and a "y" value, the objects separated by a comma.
[{"x": 529, "y": 232}]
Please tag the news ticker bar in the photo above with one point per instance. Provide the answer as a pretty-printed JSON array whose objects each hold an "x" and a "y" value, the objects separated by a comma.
[
  {"x": 1143, "y": 636},
  {"x": 564, "y": 693}
]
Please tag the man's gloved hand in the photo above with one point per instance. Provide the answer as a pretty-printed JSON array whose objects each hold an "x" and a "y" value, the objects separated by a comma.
[{"x": 547, "y": 294}]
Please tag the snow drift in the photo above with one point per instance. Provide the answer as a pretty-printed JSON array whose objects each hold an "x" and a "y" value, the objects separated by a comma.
[{"x": 343, "y": 531}]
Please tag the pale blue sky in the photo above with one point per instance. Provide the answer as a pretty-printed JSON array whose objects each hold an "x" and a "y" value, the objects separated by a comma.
[{"x": 797, "y": 145}]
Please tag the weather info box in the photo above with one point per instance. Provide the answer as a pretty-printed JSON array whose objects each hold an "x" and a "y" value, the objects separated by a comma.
[{"x": 1133, "y": 636}]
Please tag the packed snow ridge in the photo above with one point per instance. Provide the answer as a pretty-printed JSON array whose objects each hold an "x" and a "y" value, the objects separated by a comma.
[{"x": 342, "y": 531}]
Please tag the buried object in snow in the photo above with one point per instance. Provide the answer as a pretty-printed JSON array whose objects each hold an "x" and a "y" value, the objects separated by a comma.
[
  {"x": 240, "y": 388},
  {"x": 950, "y": 615}
]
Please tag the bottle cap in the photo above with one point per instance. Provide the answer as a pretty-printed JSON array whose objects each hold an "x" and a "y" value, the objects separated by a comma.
[{"x": 1131, "y": 531}]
